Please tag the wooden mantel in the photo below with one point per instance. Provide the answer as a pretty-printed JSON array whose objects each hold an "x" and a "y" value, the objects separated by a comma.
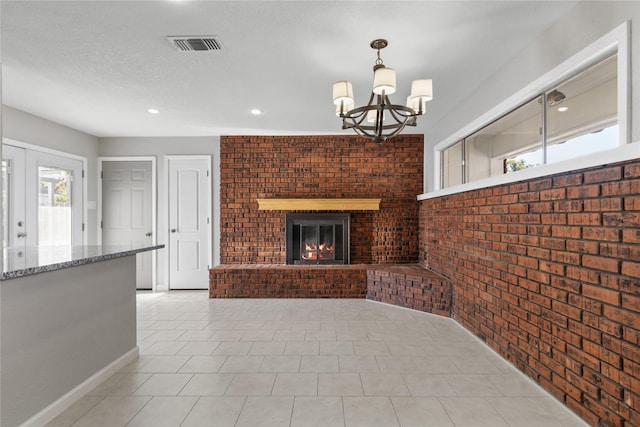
[{"x": 318, "y": 204}]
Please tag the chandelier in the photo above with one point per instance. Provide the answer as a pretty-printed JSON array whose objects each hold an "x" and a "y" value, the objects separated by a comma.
[{"x": 380, "y": 120}]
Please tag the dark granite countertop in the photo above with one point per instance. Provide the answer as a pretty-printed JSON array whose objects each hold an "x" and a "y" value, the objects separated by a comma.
[{"x": 21, "y": 261}]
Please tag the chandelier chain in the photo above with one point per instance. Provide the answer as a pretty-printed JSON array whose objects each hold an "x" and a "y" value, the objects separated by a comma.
[{"x": 379, "y": 60}]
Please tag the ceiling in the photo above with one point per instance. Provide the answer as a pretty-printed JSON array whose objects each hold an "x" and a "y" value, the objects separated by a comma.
[{"x": 97, "y": 66}]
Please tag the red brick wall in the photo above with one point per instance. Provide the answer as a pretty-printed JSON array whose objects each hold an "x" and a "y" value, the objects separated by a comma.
[
  {"x": 320, "y": 167},
  {"x": 410, "y": 286},
  {"x": 287, "y": 281},
  {"x": 547, "y": 273}
]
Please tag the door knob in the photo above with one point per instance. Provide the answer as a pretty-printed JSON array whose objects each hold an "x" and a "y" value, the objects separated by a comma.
[
  {"x": 21, "y": 235},
  {"x": 173, "y": 230},
  {"x": 148, "y": 234}
]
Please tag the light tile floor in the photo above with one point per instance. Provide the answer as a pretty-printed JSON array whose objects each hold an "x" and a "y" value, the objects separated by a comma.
[{"x": 298, "y": 363}]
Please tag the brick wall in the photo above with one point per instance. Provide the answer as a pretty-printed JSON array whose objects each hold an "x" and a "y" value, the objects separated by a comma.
[
  {"x": 320, "y": 167},
  {"x": 287, "y": 281},
  {"x": 410, "y": 286},
  {"x": 547, "y": 273}
]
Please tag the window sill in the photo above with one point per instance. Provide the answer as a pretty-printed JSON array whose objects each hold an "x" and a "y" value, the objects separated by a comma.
[{"x": 627, "y": 152}]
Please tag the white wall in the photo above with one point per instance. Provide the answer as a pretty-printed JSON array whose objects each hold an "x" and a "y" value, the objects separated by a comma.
[
  {"x": 160, "y": 147},
  {"x": 27, "y": 128},
  {"x": 581, "y": 26}
]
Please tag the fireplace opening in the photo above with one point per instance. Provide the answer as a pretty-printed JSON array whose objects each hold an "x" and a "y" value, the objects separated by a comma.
[{"x": 317, "y": 238}]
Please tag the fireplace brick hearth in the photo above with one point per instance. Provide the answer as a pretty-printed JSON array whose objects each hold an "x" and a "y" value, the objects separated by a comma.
[
  {"x": 411, "y": 286},
  {"x": 288, "y": 281},
  {"x": 406, "y": 285}
]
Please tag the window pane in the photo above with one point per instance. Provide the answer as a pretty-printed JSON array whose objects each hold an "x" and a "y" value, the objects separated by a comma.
[
  {"x": 582, "y": 113},
  {"x": 452, "y": 166},
  {"x": 5, "y": 203},
  {"x": 511, "y": 143},
  {"x": 54, "y": 206}
]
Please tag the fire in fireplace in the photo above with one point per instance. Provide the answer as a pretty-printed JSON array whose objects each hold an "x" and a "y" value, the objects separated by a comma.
[{"x": 317, "y": 238}]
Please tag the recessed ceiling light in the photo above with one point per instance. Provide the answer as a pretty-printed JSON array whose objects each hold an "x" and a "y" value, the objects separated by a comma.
[
  {"x": 153, "y": 111},
  {"x": 563, "y": 109},
  {"x": 256, "y": 111}
]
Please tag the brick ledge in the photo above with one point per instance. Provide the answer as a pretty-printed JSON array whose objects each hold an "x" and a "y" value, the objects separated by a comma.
[
  {"x": 411, "y": 286},
  {"x": 405, "y": 285},
  {"x": 287, "y": 281}
]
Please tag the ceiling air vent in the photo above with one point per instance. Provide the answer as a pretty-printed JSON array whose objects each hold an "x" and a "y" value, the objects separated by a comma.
[{"x": 195, "y": 43}]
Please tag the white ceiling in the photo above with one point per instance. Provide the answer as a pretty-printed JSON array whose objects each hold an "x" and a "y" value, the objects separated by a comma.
[{"x": 97, "y": 66}]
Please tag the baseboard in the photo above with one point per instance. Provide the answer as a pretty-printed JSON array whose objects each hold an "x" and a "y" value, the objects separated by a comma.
[{"x": 63, "y": 403}]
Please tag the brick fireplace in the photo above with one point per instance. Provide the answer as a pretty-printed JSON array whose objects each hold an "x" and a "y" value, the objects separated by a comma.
[
  {"x": 336, "y": 167},
  {"x": 253, "y": 241}
]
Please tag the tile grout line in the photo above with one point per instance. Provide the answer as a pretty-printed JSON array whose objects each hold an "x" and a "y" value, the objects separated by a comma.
[
  {"x": 190, "y": 410},
  {"x": 137, "y": 412}
]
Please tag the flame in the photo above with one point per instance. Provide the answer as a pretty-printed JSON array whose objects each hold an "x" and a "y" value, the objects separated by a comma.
[{"x": 323, "y": 250}]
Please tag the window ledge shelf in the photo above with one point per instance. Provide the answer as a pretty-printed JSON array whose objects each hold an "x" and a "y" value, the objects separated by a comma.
[
  {"x": 626, "y": 152},
  {"x": 318, "y": 204}
]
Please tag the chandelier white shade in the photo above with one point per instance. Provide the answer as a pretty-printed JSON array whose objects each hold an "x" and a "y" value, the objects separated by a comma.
[
  {"x": 384, "y": 81},
  {"x": 342, "y": 92},
  {"x": 372, "y": 116},
  {"x": 422, "y": 88},
  {"x": 370, "y": 121}
]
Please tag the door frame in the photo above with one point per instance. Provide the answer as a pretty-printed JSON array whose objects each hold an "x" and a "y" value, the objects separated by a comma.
[
  {"x": 208, "y": 158},
  {"x": 85, "y": 207},
  {"x": 154, "y": 204},
  {"x": 16, "y": 198}
]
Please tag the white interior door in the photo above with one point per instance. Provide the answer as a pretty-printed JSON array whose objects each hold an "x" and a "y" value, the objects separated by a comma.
[
  {"x": 127, "y": 211},
  {"x": 189, "y": 222},
  {"x": 13, "y": 196}
]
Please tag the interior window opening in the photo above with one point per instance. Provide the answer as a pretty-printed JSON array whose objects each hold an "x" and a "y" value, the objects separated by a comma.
[
  {"x": 583, "y": 116},
  {"x": 489, "y": 150},
  {"x": 580, "y": 118}
]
